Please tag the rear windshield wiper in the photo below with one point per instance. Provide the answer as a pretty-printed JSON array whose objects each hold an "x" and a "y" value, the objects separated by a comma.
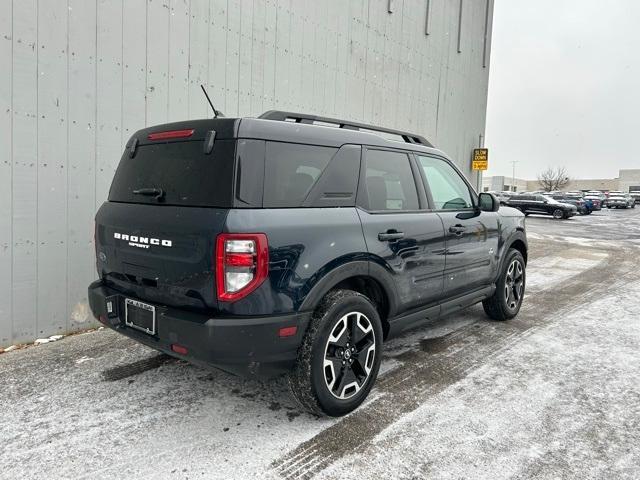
[{"x": 158, "y": 193}]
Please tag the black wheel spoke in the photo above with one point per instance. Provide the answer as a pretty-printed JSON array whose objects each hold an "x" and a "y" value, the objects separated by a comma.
[
  {"x": 354, "y": 330},
  {"x": 363, "y": 346},
  {"x": 358, "y": 368},
  {"x": 346, "y": 377}
]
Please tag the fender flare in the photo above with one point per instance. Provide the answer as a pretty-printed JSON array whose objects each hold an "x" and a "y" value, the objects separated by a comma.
[{"x": 359, "y": 268}]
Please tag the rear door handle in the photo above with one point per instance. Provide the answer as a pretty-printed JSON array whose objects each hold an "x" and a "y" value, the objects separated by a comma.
[
  {"x": 390, "y": 235},
  {"x": 457, "y": 229}
]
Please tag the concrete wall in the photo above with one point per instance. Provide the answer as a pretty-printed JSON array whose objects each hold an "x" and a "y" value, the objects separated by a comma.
[
  {"x": 593, "y": 184},
  {"x": 79, "y": 76}
]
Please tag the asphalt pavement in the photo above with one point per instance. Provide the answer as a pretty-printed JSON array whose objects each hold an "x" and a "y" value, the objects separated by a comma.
[{"x": 554, "y": 393}]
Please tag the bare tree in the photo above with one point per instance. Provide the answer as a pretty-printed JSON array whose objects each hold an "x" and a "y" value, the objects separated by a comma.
[{"x": 553, "y": 179}]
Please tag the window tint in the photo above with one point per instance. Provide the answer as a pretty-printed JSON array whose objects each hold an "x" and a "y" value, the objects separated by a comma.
[
  {"x": 389, "y": 181},
  {"x": 448, "y": 190},
  {"x": 290, "y": 172},
  {"x": 180, "y": 170},
  {"x": 249, "y": 173}
]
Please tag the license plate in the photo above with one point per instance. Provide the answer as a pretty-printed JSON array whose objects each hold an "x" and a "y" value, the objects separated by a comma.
[{"x": 140, "y": 315}]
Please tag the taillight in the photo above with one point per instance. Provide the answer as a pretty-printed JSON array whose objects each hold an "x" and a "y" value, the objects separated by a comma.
[{"x": 242, "y": 263}]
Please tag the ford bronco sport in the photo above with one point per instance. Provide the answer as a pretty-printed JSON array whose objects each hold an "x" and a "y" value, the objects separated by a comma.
[{"x": 296, "y": 244}]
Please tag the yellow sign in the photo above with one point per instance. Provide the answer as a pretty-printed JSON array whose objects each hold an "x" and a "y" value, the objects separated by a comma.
[{"x": 480, "y": 159}]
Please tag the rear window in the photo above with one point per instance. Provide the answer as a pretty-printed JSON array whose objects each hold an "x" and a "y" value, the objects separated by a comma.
[
  {"x": 291, "y": 170},
  {"x": 181, "y": 170}
]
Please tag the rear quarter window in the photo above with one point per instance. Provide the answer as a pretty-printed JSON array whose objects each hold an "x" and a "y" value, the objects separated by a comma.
[{"x": 290, "y": 172}]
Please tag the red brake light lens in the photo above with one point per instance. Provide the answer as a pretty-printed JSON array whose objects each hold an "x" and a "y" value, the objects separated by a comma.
[
  {"x": 170, "y": 134},
  {"x": 242, "y": 264}
]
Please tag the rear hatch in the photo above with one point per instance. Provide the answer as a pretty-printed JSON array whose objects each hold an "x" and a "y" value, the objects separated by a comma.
[{"x": 156, "y": 236}]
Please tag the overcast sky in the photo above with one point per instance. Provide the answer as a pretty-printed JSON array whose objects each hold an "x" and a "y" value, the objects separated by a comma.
[{"x": 564, "y": 87}]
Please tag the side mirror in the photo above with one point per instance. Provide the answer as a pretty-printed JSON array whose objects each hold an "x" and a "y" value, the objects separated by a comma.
[{"x": 488, "y": 202}]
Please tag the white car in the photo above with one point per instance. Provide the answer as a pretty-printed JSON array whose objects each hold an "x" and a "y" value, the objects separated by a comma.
[{"x": 621, "y": 200}]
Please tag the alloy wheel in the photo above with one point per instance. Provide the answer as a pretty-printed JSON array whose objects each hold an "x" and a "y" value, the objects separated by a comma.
[
  {"x": 349, "y": 355},
  {"x": 514, "y": 284}
]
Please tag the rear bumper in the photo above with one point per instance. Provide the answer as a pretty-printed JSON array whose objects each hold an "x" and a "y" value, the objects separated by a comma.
[{"x": 242, "y": 346}]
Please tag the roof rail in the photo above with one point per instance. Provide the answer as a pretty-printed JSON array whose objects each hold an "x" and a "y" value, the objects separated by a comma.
[{"x": 317, "y": 120}]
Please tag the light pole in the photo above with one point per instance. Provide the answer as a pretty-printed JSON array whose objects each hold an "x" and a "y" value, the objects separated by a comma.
[{"x": 513, "y": 175}]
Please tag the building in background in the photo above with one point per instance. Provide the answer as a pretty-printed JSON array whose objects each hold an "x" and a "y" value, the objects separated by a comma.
[
  {"x": 627, "y": 181},
  {"x": 503, "y": 184},
  {"x": 80, "y": 76}
]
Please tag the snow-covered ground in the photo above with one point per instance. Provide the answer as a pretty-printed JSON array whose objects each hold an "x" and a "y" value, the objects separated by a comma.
[{"x": 554, "y": 393}]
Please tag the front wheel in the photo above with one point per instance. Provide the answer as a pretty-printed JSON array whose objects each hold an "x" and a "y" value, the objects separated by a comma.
[
  {"x": 558, "y": 214},
  {"x": 507, "y": 299},
  {"x": 340, "y": 355}
]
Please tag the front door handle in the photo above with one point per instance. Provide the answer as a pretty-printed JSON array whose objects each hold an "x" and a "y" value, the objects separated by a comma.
[
  {"x": 390, "y": 235},
  {"x": 457, "y": 229}
]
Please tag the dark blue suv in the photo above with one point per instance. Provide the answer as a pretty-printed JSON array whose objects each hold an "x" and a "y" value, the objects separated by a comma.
[{"x": 293, "y": 244}]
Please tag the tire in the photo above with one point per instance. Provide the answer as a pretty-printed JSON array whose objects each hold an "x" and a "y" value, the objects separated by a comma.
[
  {"x": 314, "y": 381},
  {"x": 505, "y": 303},
  {"x": 558, "y": 214}
]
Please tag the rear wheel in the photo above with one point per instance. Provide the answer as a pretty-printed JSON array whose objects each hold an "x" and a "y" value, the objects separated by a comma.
[
  {"x": 507, "y": 299},
  {"x": 558, "y": 214},
  {"x": 340, "y": 355}
]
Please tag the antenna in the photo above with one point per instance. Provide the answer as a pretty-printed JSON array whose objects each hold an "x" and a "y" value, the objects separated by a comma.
[{"x": 216, "y": 113}]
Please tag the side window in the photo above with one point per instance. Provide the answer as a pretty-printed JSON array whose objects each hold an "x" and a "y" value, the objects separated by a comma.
[
  {"x": 249, "y": 172},
  {"x": 448, "y": 190},
  {"x": 290, "y": 172},
  {"x": 389, "y": 181}
]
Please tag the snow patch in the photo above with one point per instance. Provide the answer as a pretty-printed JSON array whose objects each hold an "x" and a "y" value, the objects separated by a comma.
[
  {"x": 52, "y": 338},
  {"x": 546, "y": 272}
]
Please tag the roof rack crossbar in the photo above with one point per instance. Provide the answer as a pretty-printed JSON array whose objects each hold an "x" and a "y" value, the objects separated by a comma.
[{"x": 311, "y": 119}]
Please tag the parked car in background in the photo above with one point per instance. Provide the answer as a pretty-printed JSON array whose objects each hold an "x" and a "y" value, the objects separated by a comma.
[
  {"x": 599, "y": 195},
  {"x": 635, "y": 196},
  {"x": 580, "y": 204},
  {"x": 596, "y": 202},
  {"x": 542, "y": 205},
  {"x": 503, "y": 196},
  {"x": 621, "y": 200},
  {"x": 580, "y": 197}
]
